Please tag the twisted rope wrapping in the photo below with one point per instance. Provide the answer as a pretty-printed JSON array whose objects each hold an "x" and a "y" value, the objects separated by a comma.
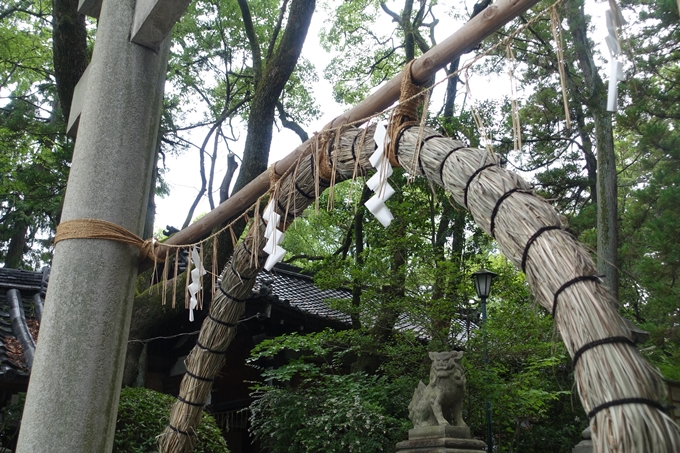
[
  {"x": 405, "y": 115},
  {"x": 101, "y": 229}
]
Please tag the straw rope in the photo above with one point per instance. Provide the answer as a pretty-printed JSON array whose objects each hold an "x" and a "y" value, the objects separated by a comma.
[
  {"x": 621, "y": 392},
  {"x": 205, "y": 360},
  {"x": 559, "y": 45},
  {"x": 101, "y": 229},
  {"x": 405, "y": 113}
]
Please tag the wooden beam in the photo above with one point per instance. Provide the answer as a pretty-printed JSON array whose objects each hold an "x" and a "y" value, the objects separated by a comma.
[
  {"x": 154, "y": 20},
  {"x": 466, "y": 38}
]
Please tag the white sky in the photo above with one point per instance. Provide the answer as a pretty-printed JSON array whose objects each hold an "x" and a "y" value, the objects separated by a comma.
[{"x": 183, "y": 171}]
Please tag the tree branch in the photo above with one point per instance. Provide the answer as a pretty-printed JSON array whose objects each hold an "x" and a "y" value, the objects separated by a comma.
[
  {"x": 277, "y": 29},
  {"x": 252, "y": 38},
  {"x": 395, "y": 17},
  {"x": 290, "y": 124}
]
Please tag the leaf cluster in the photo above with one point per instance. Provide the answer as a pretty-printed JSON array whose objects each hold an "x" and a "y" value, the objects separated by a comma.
[{"x": 144, "y": 413}]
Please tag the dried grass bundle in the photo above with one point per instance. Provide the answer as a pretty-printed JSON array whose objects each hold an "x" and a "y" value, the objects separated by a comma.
[
  {"x": 528, "y": 230},
  {"x": 619, "y": 389},
  {"x": 207, "y": 357},
  {"x": 294, "y": 193}
]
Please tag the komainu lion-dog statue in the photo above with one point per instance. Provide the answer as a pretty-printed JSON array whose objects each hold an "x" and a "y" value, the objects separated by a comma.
[{"x": 440, "y": 403}]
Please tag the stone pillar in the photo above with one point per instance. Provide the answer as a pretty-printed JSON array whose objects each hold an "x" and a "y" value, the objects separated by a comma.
[
  {"x": 440, "y": 439},
  {"x": 73, "y": 393}
]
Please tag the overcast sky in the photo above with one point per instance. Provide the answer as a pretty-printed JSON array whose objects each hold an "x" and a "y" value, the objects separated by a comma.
[{"x": 183, "y": 173}]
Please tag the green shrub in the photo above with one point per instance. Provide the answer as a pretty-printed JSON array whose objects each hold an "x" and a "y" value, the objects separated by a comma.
[
  {"x": 352, "y": 413},
  {"x": 144, "y": 413}
]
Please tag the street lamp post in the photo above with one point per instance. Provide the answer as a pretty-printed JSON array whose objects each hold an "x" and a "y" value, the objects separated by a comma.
[{"x": 483, "y": 279}]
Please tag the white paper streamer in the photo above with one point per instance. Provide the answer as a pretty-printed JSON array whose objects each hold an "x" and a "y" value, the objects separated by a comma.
[
  {"x": 195, "y": 286},
  {"x": 378, "y": 182},
  {"x": 616, "y": 68},
  {"x": 274, "y": 236}
]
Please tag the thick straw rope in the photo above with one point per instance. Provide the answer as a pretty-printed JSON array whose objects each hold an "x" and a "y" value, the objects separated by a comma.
[
  {"x": 618, "y": 388},
  {"x": 101, "y": 229},
  {"x": 621, "y": 392},
  {"x": 296, "y": 191}
]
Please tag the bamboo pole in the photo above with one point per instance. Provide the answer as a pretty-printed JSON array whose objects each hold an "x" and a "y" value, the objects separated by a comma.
[{"x": 467, "y": 37}]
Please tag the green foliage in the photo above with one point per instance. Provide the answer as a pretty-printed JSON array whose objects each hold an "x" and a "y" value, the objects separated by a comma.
[
  {"x": 335, "y": 413},
  {"x": 11, "y": 419},
  {"x": 34, "y": 154},
  {"x": 144, "y": 413},
  {"x": 211, "y": 60},
  {"x": 325, "y": 410},
  {"x": 528, "y": 379}
]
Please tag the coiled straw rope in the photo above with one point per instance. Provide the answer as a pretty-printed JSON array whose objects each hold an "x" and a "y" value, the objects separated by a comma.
[
  {"x": 101, "y": 229},
  {"x": 296, "y": 190},
  {"x": 621, "y": 392}
]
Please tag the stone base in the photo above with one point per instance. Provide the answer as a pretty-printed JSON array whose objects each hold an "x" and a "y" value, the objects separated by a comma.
[
  {"x": 458, "y": 432},
  {"x": 440, "y": 439},
  {"x": 586, "y": 445}
]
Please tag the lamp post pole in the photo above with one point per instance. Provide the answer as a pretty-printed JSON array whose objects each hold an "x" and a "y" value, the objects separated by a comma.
[
  {"x": 483, "y": 279},
  {"x": 489, "y": 431}
]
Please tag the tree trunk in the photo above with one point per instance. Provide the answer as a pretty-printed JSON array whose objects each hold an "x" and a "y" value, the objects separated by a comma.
[
  {"x": 268, "y": 88},
  {"x": 15, "y": 249},
  {"x": 69, "y": 50},
  {"x": 596, "y": 101}
]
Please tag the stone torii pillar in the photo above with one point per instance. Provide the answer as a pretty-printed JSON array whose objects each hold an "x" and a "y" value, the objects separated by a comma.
[{"x": 73, "y": 393}]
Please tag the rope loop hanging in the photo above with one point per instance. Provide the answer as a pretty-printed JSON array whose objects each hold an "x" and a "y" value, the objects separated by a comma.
[{"x": 405, "y": 114}]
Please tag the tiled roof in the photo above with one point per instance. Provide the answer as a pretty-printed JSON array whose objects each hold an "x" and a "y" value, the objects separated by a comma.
[
  {"x": 29, "y": 285},
  {"x": 288, "y": 286},
  {"x": 285, "y": 284},
  {"x": 28, "y": 282}
]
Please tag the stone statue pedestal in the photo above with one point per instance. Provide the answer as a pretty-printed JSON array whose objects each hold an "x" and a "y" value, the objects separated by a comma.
[
  {"x": 440, "y": 439},
  {"x": 586, "y": 445}
]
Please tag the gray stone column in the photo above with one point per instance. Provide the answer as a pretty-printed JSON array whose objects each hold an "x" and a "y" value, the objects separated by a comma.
[{"x": 75, "y": 382}]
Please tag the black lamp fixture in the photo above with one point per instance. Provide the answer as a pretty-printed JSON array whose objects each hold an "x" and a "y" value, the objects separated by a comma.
[{"x": 483, "y": 279}]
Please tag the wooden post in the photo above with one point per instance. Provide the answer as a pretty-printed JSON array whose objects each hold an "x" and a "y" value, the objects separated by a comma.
[
  {"x": 466, "y": 38},
  {"x": 73, "y": 393}
]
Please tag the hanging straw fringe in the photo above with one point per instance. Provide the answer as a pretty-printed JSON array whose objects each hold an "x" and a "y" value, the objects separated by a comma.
[
  {"x": 475, "y": 115},
  {"x": 559, "y": 44},
  {"x": 516, "y": 127}
]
